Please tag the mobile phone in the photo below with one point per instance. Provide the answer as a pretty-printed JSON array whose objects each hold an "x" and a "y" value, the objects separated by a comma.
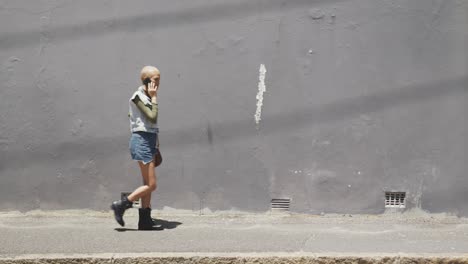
[{"x": 146, "y": 81}]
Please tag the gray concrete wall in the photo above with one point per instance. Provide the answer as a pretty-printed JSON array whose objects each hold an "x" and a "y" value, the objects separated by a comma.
[{"x": 362, "y": 97}]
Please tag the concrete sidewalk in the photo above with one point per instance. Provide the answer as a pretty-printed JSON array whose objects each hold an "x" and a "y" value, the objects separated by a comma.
[{"x": 53, "y": 236}]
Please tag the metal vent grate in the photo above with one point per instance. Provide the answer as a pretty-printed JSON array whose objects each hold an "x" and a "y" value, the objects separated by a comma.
[
  {"x": 280, "y": 204},
  {"x": 136, "y": 204},
  {"x": 395, "y": 199}
]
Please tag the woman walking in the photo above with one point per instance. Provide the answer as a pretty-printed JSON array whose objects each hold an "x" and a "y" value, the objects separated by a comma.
[{"x": 143, "y": 115}]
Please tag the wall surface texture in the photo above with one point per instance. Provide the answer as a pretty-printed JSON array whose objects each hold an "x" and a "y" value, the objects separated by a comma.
[{"x": 354, "y": 98}]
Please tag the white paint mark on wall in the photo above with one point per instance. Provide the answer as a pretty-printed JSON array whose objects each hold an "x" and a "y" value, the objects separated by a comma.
[{"x": 261, "y": 90}]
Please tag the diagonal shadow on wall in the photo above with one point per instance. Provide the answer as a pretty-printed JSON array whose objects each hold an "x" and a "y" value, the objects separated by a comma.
[
  {"x": 189, "y": 15},
  {"x": 229, "y": 131}
]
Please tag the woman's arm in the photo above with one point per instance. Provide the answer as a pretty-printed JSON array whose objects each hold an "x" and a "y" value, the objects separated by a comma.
[{"x": 151, "y": 112}]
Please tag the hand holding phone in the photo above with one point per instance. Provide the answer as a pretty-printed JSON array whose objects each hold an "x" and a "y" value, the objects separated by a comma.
[{"x": 152, "y": 89}]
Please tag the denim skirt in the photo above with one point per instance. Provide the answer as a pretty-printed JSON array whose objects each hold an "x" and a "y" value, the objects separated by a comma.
[{"x": 143, "y": 146}]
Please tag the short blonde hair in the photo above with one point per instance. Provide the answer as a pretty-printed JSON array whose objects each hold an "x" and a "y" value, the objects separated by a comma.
[{"x": 148, "y": 72}]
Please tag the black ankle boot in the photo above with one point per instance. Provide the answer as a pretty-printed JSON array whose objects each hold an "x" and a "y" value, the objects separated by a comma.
[
  {"x": 119, "y": 208},
  {"x": 145, "y": 222}
]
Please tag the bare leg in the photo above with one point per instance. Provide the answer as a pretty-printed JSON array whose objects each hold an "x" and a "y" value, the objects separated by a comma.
[
  {"x": 145, "y": 200},
  {"x": 149, "y": 178}
]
